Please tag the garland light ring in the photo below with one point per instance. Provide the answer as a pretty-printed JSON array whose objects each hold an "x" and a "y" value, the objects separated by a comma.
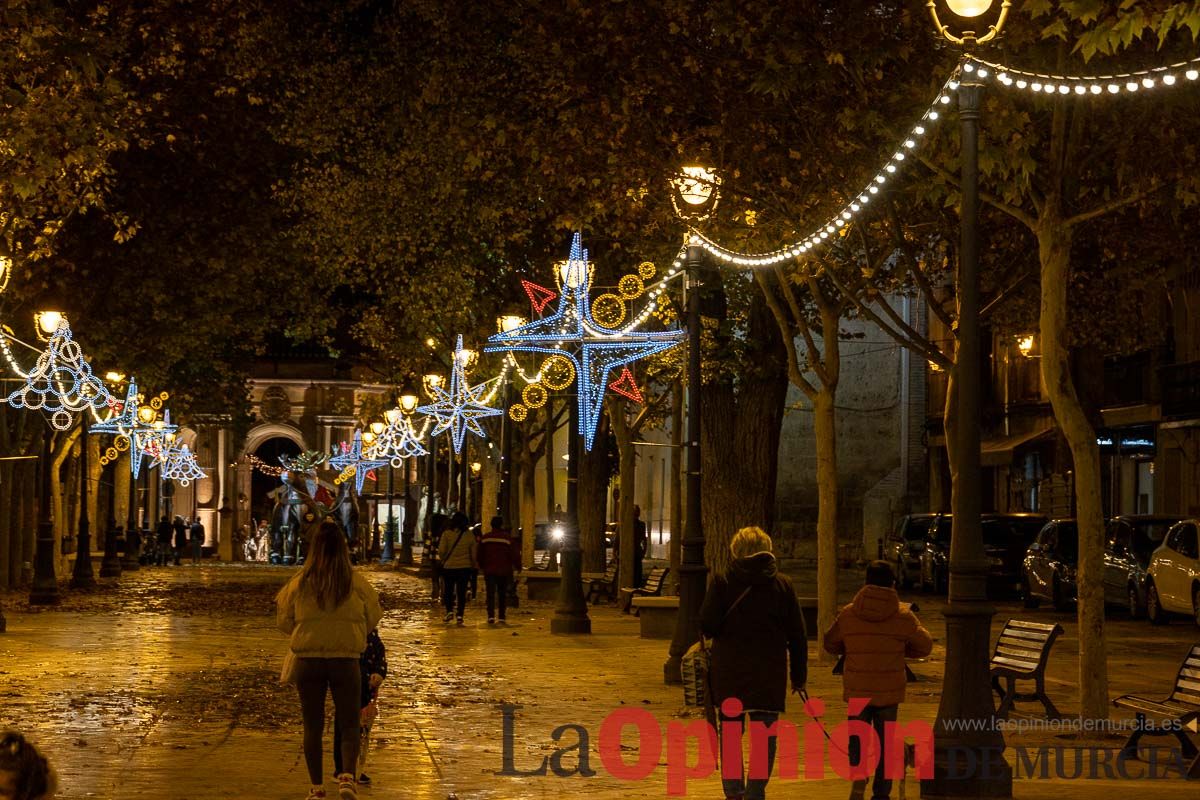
[
  {"x": 558, "y": 372},
  {"x": 535, "y": 395},
  {"x": 518, "y": 413},
  {"x": 609, "y": 309},
  {"x": 647, "y": 270},
  {"x": 631, "y": 287}
]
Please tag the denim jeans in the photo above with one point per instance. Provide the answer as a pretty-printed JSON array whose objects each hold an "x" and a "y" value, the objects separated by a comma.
[
  {"x": 877, "y": 717},
  {"x": 750, "y": 788}
]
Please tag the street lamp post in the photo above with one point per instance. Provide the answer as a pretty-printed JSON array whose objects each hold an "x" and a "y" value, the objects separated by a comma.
[
  {"x": 571, "y": 615},
  {"x": 133, "y": 540},
  {"x": 430, "y": 380},
  {"x": 505, "y": 324},
  {"x": 110, "y": 567},
  {"x": 408, "y": 404},
  {"x": 83, "y": 577},
  {"x": 964, "y": 729},
  {"x": 45, "y": 582},
  {"x": 695, "y": 198}
]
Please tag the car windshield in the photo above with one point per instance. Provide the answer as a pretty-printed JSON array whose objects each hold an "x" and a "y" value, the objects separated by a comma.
[
  {"x": 941, "y": 533},
  {"x": 1068, "y": 540},
  {"x": 1147, "y": 536},
  {"x": 916, "y": 528}
]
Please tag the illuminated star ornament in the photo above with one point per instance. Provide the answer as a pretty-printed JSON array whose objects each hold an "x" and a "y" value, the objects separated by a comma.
[
  {"x": 460, "y": 408},
  {"x": 398, "y": 440},
  {"x": 141, "y": 438},
  {"x": 353, "y": 461},
  {"x": 61, "y": 383},
  {"x": 179, "y": 464},
  {"x": 593, "y": 349}
]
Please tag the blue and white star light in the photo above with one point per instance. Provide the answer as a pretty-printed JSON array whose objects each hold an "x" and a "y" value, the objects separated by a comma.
[
  {"x": 460, "y": 408},
  {"x": 353, "y": 460},
  {"x": 145, "y": 438},
  {"x": 61, "y": 383},
  {"x": 573, "y": 333}
]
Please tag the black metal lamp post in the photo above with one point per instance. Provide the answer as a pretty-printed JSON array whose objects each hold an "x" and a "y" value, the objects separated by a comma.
[
  {"x": 408, "y": 404},
  {"x": 695, "y": 197},
  {"x": 968, "y": 748},
  {"x": 430, "y": 380},
  {"x": 83, "y": 577},
  {"x": 571, "y": 615},
  {"x": 505, "y": 324},
  {"x": 133, "y": 539},
  {"x": 110, "y": 567},
  {"x": 45, "y": 582}
]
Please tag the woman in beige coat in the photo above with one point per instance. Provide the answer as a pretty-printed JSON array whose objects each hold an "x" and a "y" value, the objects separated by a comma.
[{"x": 328, "y": 609}]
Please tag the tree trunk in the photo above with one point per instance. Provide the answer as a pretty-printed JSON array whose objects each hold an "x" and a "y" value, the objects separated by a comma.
[
  {"x": 29, "y": 518},
  {"x": 628, "y": 458},
  {"x": 6, "y": 527},
  {"x": 739, "y": 440},
  {"x": 549, "y": 448},
  {"x": 594, "y": 472},
  {"x": 825, "y": 429},
  {"x": 1054, "y": 249},
  {"x": 528, "y": 504}
]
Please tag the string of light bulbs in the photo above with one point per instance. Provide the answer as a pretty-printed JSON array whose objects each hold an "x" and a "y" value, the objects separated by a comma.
[
  {"x": 819, "y": 235},
  {"x": 1118, "y": 83}
]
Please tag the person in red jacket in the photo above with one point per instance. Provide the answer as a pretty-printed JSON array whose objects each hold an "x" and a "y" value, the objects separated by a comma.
[
  {"x": 875, "y": 634},
  {"x": 498, "y": 557}
]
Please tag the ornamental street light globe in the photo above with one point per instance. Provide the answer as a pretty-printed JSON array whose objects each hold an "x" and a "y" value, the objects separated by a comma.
[
  {"x": 377, "y": 427},
  {"x": 509, "y": 322},
  {"x": 696, "y": 184},
  {"x": 48, "y": 322},
  {"x": 408, "y": 402},
  {"x": 392, "y": 415},
  {"x": 969, "y": 8}
]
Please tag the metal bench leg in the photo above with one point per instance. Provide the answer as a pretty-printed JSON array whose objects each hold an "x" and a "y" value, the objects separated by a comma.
[
  {"x": 1129, "y": 750},
  {"x": 997, "y": 688},
  {"x": 1040, "y": 688},
  {"x": 1193, "y": 773},
  {"x": 1007, "y": 697},
  {"x": 1185, "y": 743}
]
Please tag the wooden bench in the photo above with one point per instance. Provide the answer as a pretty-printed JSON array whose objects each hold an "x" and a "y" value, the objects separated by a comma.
[
  {"x": 603, "y": 586},
  {"x": 541, "y": 560},
  {"x": 1180, "y": 710},
  {"x": 656, "y": 616},
  {"x": 653, "y": 588},
  {"x": 1021, "y": 654},
  {"x": 542, "y": 585}
]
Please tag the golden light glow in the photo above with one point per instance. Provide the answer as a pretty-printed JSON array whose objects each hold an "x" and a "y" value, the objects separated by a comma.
[
  {"x": 377, "y": 428},
  {"x": 1025, "y": 344},
  {"x": 969, "y": 8},
  {"x": 476, "y": 467},
  {"x": 696, "y": 184},
  {"x": 146, "y": 414},
  {"x": 467, "y": 357},
  {"x": 509, "y": 322},
  {"x": 571, "y": 274},
  {"x": 114, "y": 377},
  {"x": 48, "y": 321},
  {"x": 432, "y": 381},
  {"x": 408, "y": 402}
]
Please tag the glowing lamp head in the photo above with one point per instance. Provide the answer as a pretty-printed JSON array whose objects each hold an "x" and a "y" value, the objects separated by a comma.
[
  {"x": 146, "y": 414},
  {"x": 1025, "y": 344},
  {"x": 696, "y": 184},
  {"x": 509, "y": 322},
  {"x": 48, "y": 322},
  {"x": 466, "y": 357},
  {"x": 408, "y": 402},
  {"x": 476, "y": 467},
  {"x": 431, "y": 343},
  {"x": 433, "y": 381},
  {"x": 377, "y": 427},
  {"x": 368, "y": 436},
  {"x": 572, "y": 274},
  {"x": 392, "y": 415},
  {"x": 114, "y": 377},
  {"x": 969, "y": 8}
]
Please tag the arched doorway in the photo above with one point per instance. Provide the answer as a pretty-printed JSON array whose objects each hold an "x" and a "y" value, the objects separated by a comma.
[{"x": 262, "y": 484}]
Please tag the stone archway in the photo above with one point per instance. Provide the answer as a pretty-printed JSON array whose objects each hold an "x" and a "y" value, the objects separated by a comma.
[
  {"x": 272, "y": 430},
  {"x": 255, "y": 439}
]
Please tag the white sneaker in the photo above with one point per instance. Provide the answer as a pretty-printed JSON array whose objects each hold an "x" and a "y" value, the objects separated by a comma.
[
  {"x": 316, "y": 793},
  {"x": 347, "y": 787},
  {"x": 449, "y": 616}
]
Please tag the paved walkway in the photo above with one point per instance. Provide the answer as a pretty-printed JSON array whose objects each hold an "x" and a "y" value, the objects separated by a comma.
[{"x": 166, "y": 687}]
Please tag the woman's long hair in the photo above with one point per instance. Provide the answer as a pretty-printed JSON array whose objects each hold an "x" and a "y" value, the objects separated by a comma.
[
  {"x": 34, "y": 779},
  {"x": 327, "y": 569}
]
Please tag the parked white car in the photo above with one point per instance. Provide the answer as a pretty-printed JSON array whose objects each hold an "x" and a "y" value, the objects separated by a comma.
[{"x": 1173, "y": 585}]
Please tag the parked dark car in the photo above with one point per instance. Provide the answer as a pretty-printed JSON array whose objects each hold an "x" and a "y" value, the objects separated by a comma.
[
  {"x": 1129, "y": 542},
  {"x": 902, "y": 548},
  {"x": 935, "y": 555},
  {"x": 1049, "y": 571},
  {"x": 1005, "y": 539}
]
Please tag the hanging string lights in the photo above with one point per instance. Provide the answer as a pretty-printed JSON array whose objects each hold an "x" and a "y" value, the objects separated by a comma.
[
  {"x": 398, "y": 440},
  {"x": 1177, "y": 74}
]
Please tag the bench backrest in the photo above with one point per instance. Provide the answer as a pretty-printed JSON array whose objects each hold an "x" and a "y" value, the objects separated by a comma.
[
  {"x": 655, "y": 581},
  {"x": 1025, "y": 642},
  {"x": 1187, "y": 682}
]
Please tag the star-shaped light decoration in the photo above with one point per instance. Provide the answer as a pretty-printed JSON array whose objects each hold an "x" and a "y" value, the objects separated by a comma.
[
  {"x": 145, "y": 438},
  {"x": 572, "y": 333},
  {"x": 460, "y": 408},
  {"x": 61, "y": 383},
  {"x": 398, "y": 440},
  {"x": 352, "y": 460},
  {"x": 179, "y": 464}
]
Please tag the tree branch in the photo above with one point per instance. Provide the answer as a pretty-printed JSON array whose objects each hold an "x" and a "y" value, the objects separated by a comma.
[
  {"x": 789, "y": 340},
  {"x": 1022, "y": 216},
  {"x": 1113, "y": 205}
]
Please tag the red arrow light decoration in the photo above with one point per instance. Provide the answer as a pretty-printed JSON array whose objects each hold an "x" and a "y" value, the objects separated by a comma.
[
  {"x": 539, "y": 296},
  {"x": 626, "y": 386}
]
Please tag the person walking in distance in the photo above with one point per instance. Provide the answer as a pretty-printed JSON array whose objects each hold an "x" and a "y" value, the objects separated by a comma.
[
  {"x": 457, "y": 554},
  {"x": 498, "y": 558},
  {"x": 162, "y": 535},
  {"x": 180, "y": 527},
  {"x": 753, "y": 617},
  {"x": 876, "y": 633},
  {"x": 328, "y": 609},
  {"x": 640, "y": 545},
  {"x": 197, "y": 531}
]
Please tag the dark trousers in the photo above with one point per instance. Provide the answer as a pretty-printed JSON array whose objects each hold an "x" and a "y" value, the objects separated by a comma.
[
  {"x": 337, "y": 746},
  {"x": 744, "y": 785},
  {"x": 877, "y": 717},
  {"x": 496, "y": 585},
  {"x": 163, "y": 556},
  {"x": 454, "y": 588},
  {"x": 196, "y": 545},
  {"x": 638, "y": 580},
  {"x": 342, "y": 678}
]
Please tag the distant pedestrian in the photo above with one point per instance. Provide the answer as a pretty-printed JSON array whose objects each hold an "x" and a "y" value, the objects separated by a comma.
[
  {"x": 498, "y": 558},
  {"x": 876, "y": 633},
  {"x": 640, "y": 545},
  {"x": 754, "y": 620},
  {"x": 25, "y": 774},
  {"x": 372, "y": 669},
  {"x": 328, "y": 609},
  {"x": 457, "y": 555},
  {"x": 437, "y": 527},
  {"x": 180, "y": 527},
  {"x": 197, "y": 531},
  {"x": 162, "y": 535},
  {"x": 263, "y": 542}
]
